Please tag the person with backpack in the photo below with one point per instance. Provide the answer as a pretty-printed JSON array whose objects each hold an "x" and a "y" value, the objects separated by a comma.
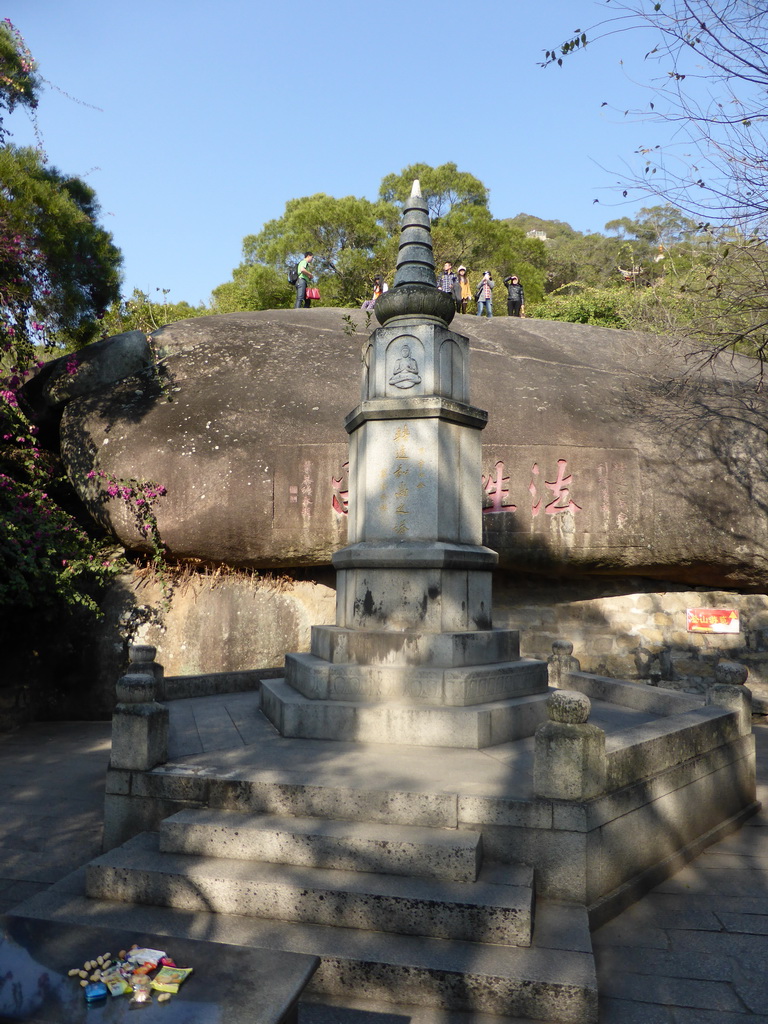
[{"x": 303, "y": 279}]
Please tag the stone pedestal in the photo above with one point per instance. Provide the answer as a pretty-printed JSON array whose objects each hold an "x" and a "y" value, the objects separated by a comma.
[
  {"x": 730, "y": 692},
  {"x": 139, "y": 725},
  {"x": 569, "y": 758}
]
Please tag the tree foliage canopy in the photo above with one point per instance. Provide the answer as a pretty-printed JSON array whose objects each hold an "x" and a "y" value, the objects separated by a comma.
[
  {"x": 345, "y": 236},
  {"x": 353, "y": 239},
  {"x": 61, "y": 269},
  {"x": 444, "y": 188}
]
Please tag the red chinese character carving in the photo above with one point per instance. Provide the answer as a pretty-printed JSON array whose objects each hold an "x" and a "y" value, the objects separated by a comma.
[
  {"x": 561, "y": 490},
  {"x": 497, "y": 489},
  {"x": 340, "y": 492},
  {"x": 532, "y": 490}
]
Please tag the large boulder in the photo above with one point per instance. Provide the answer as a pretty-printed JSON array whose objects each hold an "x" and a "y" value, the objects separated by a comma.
[
  {"x": 89, "y": 369},
  {"x": 606, "y": 452}
]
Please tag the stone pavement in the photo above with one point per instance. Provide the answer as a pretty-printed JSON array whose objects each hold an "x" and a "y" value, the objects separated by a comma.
[
  {"x": 52, "y": 784},
  {"x": 693, "y": 950}
]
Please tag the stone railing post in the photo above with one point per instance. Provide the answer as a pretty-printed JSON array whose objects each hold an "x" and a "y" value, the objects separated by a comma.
[
  {"x": 139, "y": 723},
  {"x": 730, "y": 692},
  {"x": 141, "y": 658},
  {"x": 561, "y": 663},
  {"x": 569, "y": 760}
]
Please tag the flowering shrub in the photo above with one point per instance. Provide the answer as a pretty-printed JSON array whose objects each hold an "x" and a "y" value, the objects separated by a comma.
[
  {"x": 18, "y": 79},
  {"x": 48, "y": 563},
  {"x": 58, "y": 271},
  {"x": 139, "y": 497}
]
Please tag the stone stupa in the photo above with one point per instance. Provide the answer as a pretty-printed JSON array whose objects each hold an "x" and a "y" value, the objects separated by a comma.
[{"x": 413, "y": 657}]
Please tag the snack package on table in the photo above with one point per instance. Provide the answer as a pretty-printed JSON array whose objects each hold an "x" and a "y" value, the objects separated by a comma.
[{"x": 168, "y": 979}]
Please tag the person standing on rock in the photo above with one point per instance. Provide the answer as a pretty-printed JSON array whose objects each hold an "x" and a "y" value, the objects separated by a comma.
[
  {"x": 448, "y": 282},
  {"x": 465, "y": 291},
  {"x": 484, "y": 295},
  {"x": 515, "y": 296},
  {"x": 304, "y": 279}
]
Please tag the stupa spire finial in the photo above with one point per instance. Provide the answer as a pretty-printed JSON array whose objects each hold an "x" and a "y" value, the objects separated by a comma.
[{"x": 414, "y": 292}]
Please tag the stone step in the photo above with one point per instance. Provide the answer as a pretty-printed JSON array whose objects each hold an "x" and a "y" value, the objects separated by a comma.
[
  {"x": 313, "y": 842},
  {"x": 551, "y": 981},
  {"x": 302, "y": 792},
  {"x": 476, "y": 727},
  {"x": 482, "y": 911},
  {"x": 419, "y": 685},
  {"x": 340, "y": 645}
]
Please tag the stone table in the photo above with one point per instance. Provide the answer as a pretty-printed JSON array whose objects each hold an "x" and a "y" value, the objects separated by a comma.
[{"x": 235, "y": 984}]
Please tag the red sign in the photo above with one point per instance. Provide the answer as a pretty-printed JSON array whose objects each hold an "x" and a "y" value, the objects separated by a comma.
[{"x": 713, "y": 620}]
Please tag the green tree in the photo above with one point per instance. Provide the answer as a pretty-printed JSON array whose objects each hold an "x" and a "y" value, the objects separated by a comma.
[
  {"x": 141, "y": 313},
  {"x": 470, "y": 236},
  {"x": 574, "y": 260},
  {"x": 712, "y": 56},
  {"x": 345, "y": 236},
  {"x": 657, "y": 226},
  {"x": 68, "y": 266},
  {"x": 253, "y": 286},
  {"x": 444, "y": 188},
  {"x": 353, "y": 239},
  {"x": 526, "y": 222},
  {"x": 713, "y": 291},
  {"x": 583, "y": 261},
  {"x": 58, "y": 273}
]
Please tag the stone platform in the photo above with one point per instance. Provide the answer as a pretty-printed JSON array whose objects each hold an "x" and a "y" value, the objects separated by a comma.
[
  {"x": 398, "y": 863},
  {"x": 221, "y": 743}
]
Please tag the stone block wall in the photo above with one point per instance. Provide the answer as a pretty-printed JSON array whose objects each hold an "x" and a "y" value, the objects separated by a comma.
[
  {"x": 627, "y": 629},
  {"x": 634, "y": 630},
  {"x": 224, "y": 624}
]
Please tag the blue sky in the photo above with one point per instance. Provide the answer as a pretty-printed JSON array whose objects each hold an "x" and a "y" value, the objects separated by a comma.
[{"x": 196, "y": 121}]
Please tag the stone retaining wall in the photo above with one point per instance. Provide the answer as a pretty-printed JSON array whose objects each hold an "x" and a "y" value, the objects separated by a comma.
[
  {"x": 625, "y": 629},
  {"x": 209, "y": 625},
  {"x": 637, "y": 634}
]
